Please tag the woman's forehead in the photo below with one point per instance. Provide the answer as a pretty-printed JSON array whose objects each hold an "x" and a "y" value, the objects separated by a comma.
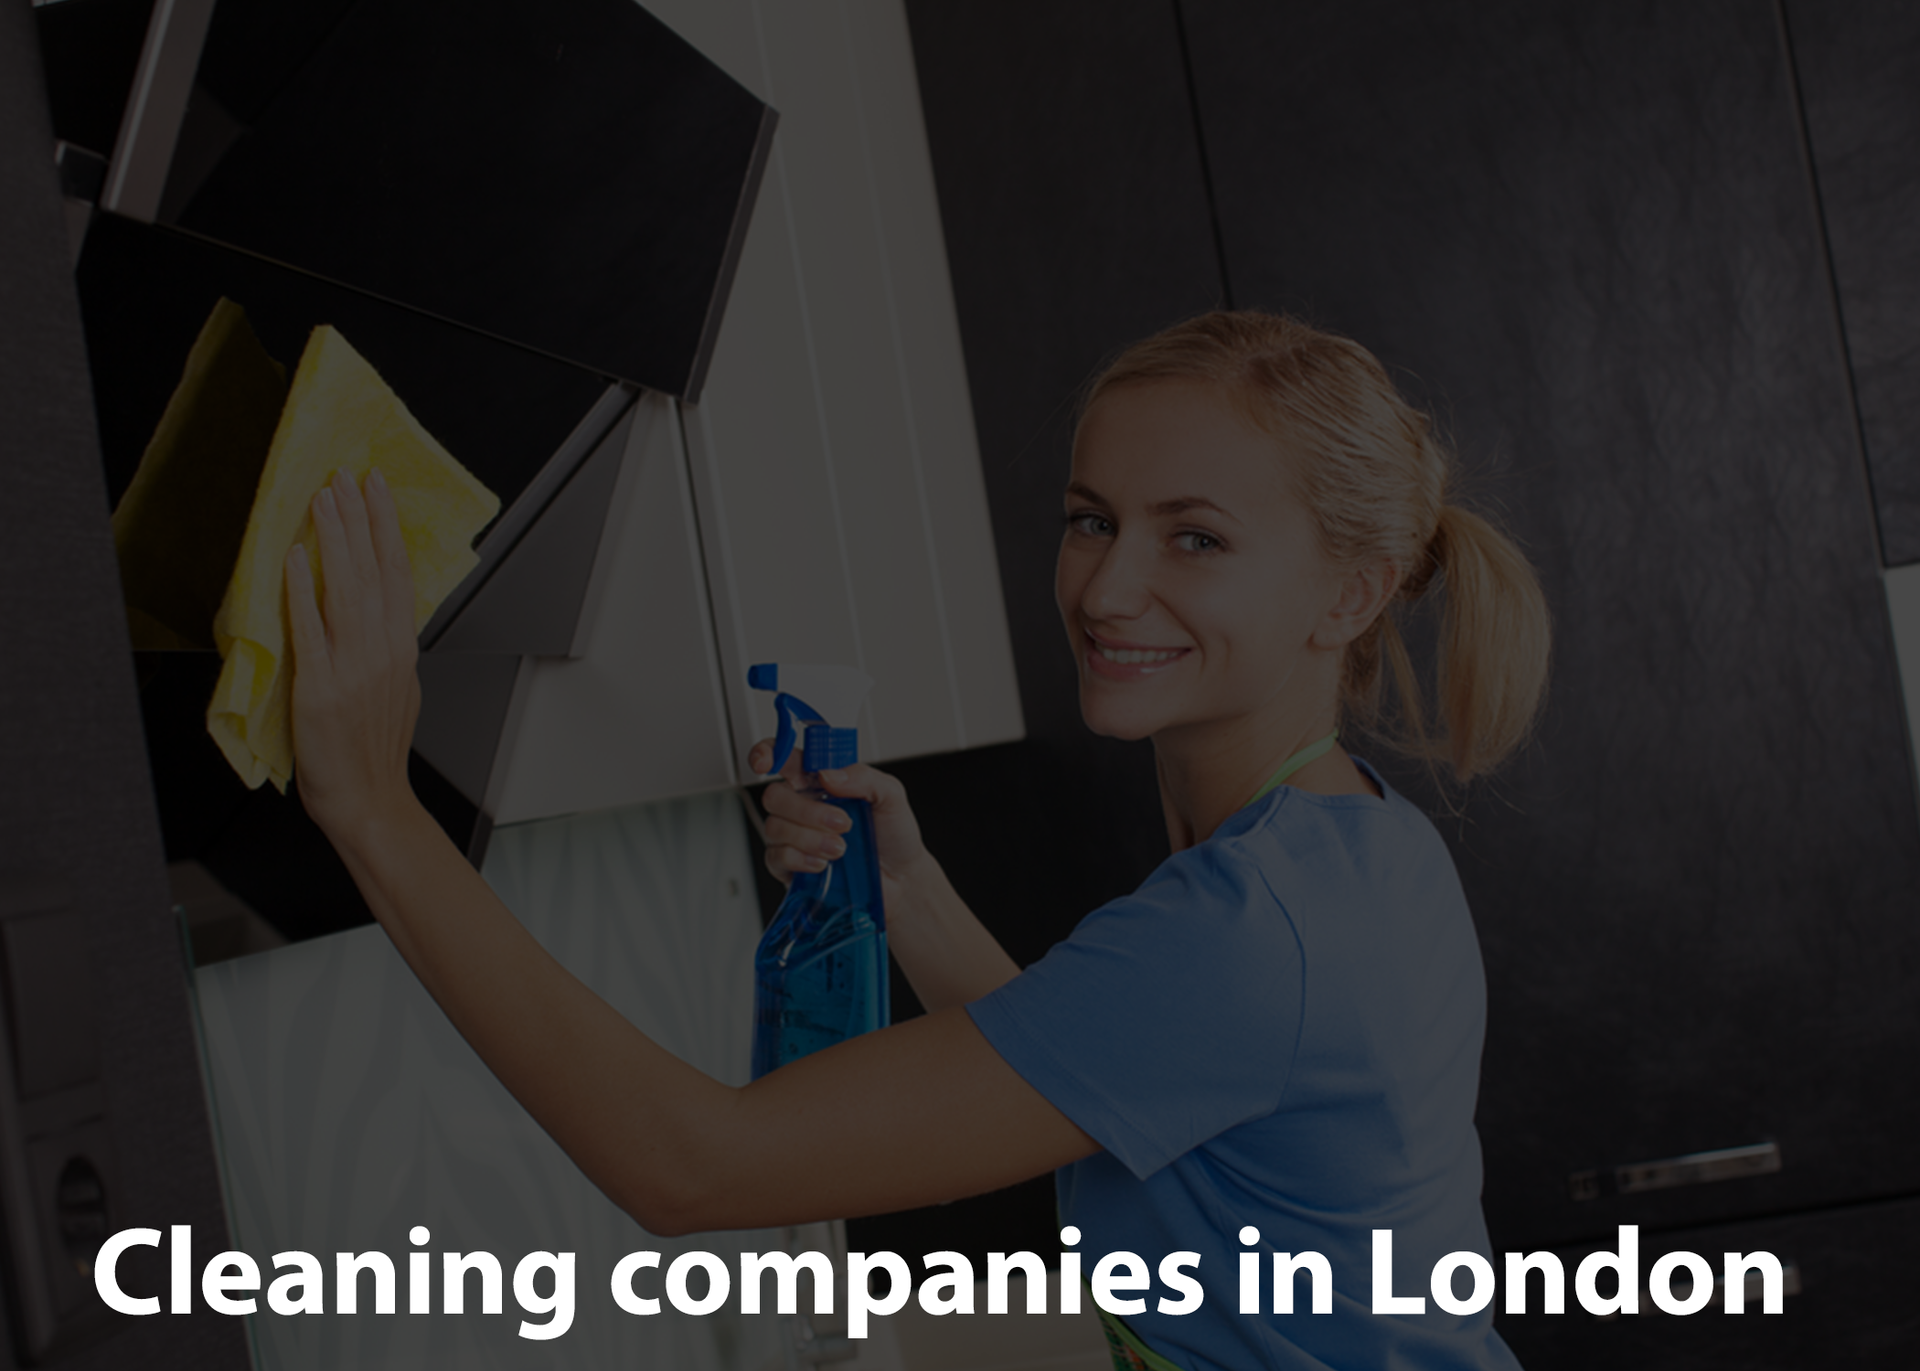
[{"x": 1172, "y": 443}]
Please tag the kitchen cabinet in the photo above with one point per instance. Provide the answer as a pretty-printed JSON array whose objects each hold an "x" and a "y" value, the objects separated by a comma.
[
  {"x": 1858, "y": 75},
  {"x": 829, "y": 476},
  {"x": 822, "y": 501},
  {"x": 1587, "y": 238}
]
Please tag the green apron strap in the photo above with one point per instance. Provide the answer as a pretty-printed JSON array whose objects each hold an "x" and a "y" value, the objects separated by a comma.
[
  {"x": 1129, "y": 1353},
  {"x": 1312, "y": 752}
]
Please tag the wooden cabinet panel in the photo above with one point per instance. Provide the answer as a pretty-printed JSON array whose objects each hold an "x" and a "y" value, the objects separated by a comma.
[
  {"x": 1858, "y": 66},
  {"x": 1586, "y": 236}
]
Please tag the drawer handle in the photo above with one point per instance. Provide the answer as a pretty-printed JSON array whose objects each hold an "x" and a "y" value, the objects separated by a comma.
[{"x": 1696, "y": 1168}]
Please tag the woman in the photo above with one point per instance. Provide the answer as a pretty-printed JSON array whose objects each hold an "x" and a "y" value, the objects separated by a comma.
[{"x": 1279, "y": 1032}]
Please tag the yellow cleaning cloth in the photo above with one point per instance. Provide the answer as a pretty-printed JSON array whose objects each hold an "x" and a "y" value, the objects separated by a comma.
[{"x": 339, "y": 416}]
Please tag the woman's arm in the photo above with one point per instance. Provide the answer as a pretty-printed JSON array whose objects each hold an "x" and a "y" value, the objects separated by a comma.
[
  {"x": 949, "y": 956},
  {"x": 922, "y": 1112}
]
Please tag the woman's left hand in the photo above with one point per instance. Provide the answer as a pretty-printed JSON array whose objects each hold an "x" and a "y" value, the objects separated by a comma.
[{"x": 356, "y": 693}]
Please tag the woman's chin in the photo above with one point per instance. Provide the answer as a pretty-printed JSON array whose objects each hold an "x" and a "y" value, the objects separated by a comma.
[{"x": 1127, "y": 725}]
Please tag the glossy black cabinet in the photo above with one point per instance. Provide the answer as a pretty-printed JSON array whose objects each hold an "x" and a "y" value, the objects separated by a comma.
[{"x": 570, "y": 176}]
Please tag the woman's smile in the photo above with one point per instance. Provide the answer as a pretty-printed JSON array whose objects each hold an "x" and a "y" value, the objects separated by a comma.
[{"x": 1124, "y": 661}]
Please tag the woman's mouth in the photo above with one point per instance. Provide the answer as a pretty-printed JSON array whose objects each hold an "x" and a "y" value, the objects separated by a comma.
[{"x": 1128, "y": 661}]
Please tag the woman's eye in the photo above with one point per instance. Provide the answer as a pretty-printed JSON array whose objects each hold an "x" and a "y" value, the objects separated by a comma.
[
  {"x": 1091, "y": 524},
  {"x": 1195, "y": 541}
]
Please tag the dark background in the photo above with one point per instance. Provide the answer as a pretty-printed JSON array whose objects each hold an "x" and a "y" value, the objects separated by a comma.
[{"x": 1643, "y": 261}]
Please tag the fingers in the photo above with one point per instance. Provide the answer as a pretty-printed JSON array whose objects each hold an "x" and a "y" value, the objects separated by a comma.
[
  {"x": 782, "y": 801},
  {"x": 802, "y": 833},
  {"x": 361, "y": 607},
  {"x": 336, "y": 566},
  {"x": 760, "y": 758},
  {"x": 396, "y": 568},
  {"x": 785, "y": 861},
  {"x": 303, "y": 613},
  {"x": 354, "y": 524},
  {"x": 862, "y": 782},
  {"x": 806, "y": 839}
]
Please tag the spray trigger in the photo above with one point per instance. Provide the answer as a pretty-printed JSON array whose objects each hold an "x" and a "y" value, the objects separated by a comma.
[{"x": 789, "y": 708}]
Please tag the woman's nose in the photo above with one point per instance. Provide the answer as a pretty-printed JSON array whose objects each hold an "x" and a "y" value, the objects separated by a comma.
[{"x": 1118, "y": 588}]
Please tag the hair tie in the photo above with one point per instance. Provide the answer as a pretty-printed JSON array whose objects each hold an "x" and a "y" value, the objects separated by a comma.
[{"x": 1432, "y": 555}]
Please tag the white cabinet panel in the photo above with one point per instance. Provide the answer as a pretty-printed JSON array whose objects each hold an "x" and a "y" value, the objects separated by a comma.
[
  {"x": 933, "y": 369},
  {"x": 638, "y": 714},
  {"x": 836, "y": 468}
]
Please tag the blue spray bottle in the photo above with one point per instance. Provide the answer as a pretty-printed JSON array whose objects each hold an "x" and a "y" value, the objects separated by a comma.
[{"x": 820, "y": 974}]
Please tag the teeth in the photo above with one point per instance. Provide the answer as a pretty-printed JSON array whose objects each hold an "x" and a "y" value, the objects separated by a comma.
[{"x": 1136, "y": 656}]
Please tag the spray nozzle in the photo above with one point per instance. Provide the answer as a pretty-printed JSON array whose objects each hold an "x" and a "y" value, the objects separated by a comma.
[{"x": 827, "y": 699}]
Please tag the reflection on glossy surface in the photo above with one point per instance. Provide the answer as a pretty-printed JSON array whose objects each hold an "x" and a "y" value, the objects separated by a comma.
[{"x": 569, "y": 175}]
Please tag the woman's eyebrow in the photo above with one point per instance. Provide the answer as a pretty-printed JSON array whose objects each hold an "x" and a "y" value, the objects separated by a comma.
[{"x": 1180, "y": 504}]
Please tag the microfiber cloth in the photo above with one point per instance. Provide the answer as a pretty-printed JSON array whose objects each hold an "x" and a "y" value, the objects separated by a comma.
[{"x": 339, "y": 415}]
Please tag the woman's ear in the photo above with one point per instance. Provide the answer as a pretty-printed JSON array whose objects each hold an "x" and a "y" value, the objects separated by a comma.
[{"x": 1364, "y": 594}]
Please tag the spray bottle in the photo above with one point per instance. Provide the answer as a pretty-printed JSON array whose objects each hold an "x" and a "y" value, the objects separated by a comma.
[{"x": 820, "y": 974}]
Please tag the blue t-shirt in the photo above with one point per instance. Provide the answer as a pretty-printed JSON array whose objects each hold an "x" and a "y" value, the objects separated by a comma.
[{"x": 1280, "y": 1028}]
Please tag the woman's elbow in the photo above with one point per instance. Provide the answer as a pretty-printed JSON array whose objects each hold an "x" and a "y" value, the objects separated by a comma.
[
  {"x": 690, "y": 1200},
  {"x": 664, "y": 1216}
]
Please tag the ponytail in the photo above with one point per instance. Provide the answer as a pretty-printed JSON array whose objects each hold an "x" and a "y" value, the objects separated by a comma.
[
  {"x": 1490, "y": 676},
  {"x": 1370, "y": 471},
  {"x": 1490, "y": 671}
]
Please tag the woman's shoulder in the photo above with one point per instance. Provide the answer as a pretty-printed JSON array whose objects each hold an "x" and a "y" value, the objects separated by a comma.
[{"x": 1311, "y": 850}]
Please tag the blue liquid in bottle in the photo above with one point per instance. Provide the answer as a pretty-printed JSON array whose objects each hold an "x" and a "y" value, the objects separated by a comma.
[{"x": 820, "y": 974}]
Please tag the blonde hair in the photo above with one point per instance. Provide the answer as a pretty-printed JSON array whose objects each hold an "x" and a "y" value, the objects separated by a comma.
[{"x": 1377, "y": 482}]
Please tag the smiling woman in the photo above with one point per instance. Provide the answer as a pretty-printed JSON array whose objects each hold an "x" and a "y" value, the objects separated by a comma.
[{"x": 1273, "y": 1044}]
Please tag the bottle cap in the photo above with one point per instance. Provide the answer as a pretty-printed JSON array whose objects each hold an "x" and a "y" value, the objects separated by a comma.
[{"x": 828, "y": 748}]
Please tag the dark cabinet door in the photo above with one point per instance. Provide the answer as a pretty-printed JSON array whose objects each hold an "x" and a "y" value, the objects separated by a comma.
[
  {"x": 104, "y": 1113},
  {"x": 1858, "y": 66},
  {"x": 1586, "y": 237}
]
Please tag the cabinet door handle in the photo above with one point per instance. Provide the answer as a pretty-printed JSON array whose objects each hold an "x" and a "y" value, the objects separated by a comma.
[{"x": 1696, "y": 1168}]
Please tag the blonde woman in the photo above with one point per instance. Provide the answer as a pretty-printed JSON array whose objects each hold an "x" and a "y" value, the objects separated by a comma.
[{"x": 1272, "y": 1046}]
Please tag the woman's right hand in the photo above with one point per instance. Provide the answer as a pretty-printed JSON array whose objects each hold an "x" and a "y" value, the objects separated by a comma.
[
  {"x": 804, "y": 833},
  {"x": 949, "y": 956}
]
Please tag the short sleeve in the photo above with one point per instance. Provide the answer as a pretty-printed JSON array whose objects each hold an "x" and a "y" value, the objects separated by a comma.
[{"x": 1168, "y": 1017}]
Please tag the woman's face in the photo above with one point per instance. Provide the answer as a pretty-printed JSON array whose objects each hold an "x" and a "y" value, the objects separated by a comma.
[{"x": 1190, "y": 579}]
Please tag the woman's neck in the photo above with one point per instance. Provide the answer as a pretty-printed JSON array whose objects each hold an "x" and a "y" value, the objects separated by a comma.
[{"x": 1206, "y": 774}]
